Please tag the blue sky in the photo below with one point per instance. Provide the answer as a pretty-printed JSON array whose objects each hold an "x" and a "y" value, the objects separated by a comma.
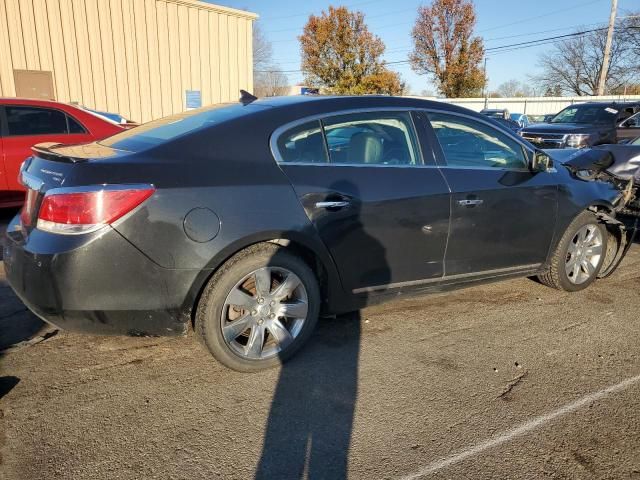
[{"x": 499, "y": 22}]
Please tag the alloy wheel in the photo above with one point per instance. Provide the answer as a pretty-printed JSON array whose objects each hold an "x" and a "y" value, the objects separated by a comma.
[
  {"x": 264, "y": 312},
  {"x": 584, "y": 254}
]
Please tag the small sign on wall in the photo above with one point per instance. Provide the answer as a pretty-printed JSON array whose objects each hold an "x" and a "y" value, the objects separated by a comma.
[{"x": 193, "y": 99}]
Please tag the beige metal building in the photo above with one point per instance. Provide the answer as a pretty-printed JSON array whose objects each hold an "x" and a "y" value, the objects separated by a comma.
[{"x": 144, "y": 59}]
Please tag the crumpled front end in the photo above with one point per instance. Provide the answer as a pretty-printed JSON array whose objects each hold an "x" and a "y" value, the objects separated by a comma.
[{"x": 618, "y": 165}]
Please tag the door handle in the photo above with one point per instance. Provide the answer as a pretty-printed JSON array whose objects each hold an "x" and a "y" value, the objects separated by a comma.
[
  {"x": 334, "y": 204},
  {"x": 470, "y": 203}
]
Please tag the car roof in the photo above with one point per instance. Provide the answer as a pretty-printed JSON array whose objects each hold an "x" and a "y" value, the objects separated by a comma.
[
  {"x": 606, "y": 104},
  {"x": 326, "y": 103},
  {"x": 33, "y": 101}
]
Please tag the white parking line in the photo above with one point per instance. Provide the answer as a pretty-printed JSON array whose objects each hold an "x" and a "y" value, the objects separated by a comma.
[{"x": 521, "y": 430}]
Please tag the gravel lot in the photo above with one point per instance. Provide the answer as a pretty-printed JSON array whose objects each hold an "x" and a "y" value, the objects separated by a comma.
[{"x": 510, "y": 380}]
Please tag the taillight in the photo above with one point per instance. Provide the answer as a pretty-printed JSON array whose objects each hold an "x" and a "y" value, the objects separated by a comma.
[{"x": 83, "y": 211}]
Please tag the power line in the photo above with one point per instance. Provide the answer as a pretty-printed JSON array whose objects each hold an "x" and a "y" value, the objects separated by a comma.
[
  {"x": 557, "y": 37},
  {"x": 548, "y": 14},
  {"x": 500, "y": 49},
  {"x": 409, "y": 48},
  {"x": 517, "y": 22}
]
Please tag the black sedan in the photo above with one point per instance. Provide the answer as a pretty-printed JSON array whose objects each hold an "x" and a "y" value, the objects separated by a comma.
[{"x": 249, "y": 221}]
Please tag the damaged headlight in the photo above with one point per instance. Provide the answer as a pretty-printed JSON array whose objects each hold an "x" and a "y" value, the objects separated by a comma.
[{"x": 577, "y": 140}]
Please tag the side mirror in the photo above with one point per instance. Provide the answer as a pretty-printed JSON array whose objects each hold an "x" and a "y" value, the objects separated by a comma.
[{"x": 541, "y": 162}]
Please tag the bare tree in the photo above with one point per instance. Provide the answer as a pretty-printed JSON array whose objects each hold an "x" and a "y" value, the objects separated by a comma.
[
  {"x": 271, "y": 83},
  {"x": 513, "y": 88},
  {"x": 268, "y": 80},
  {"x": 262, "y": 49},
  {"x": 631, "y": 30},
  {"x": 574, "y": 65}
]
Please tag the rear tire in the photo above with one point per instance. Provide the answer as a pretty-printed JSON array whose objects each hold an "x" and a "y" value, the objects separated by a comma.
[
  {"x": 579, "y": 256},
  {"x": 258, "y": 309}
]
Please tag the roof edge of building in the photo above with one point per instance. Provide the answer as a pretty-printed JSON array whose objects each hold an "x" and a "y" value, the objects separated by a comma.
[{"x": 215, "y": 8}]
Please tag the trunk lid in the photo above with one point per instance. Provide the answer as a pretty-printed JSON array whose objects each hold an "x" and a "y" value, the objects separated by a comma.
[{"x": 52, "y": 165}]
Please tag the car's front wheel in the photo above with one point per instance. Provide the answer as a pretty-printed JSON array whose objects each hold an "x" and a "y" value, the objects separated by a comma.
[
  {"x": 579, "y": 255},
  {"x": 259, "y": 308}
]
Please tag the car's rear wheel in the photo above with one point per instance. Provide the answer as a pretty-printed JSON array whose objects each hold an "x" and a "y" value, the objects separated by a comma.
[
  {"x": 579, "y": 255},
  {"x": 259, "y": 308}
]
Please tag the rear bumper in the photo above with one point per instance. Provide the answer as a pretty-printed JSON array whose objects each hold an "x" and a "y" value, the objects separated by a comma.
[{"x": 97, "y": 283}]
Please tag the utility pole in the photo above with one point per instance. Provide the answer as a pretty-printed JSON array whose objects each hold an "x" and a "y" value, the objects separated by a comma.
[
  {"x": 607, "y": 48},
  {"x": 484, "y": 85}
]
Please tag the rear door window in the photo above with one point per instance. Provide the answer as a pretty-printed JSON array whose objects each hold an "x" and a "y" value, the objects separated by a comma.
[
  {"x": 303, "y": 144},
  {"x": 371, "y": 138},
  {"x": 35, "y": 121}
]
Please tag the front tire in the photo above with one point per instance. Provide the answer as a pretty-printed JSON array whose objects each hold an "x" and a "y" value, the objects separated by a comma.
[
  {"x": 579, "y": 256},
  {"x": 259, "y": 308}
]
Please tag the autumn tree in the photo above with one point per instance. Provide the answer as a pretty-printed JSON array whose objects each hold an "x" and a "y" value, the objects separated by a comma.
[
  {"x": 341, "y": 56},
  {"x": 445, "y": 48}
]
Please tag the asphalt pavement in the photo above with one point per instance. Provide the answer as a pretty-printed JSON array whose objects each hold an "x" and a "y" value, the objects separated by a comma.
[{"x": 508, "y": 381}]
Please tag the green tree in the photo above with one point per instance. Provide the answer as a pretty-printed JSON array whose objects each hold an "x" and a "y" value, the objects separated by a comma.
[
  {"x": 445, "y": 48},
  {"x": 341, "y": 55}
]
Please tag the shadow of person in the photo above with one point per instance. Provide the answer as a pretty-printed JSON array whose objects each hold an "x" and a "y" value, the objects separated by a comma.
[
  {"x": 7, "y": 383},
  {"x": 309, "y": 429}
]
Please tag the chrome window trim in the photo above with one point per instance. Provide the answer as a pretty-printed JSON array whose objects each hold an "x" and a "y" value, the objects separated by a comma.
[
  {"x": 509, "y": 134},
  {"x": 275, "y": 135},
  {"x": 351, "y": 165},
  {"x": 273, "y": 141}
]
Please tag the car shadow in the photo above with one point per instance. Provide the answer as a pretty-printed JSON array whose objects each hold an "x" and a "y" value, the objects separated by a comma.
[
  {"x": 6, "y": 214},
  {"x": 18, "y": 326},
  {"x": 309, "y": 428}
]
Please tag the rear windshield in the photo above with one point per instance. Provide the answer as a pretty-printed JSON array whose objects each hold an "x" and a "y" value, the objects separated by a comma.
[
  {"x": 164, "y": 129},
  {"x": 593, "y": 114}
]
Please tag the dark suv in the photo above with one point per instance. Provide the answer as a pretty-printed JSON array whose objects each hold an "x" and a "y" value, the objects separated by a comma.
[{"x": 584, "y": 125}]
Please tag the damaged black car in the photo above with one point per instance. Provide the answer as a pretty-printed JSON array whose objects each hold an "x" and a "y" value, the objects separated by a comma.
[{"x": 246, "y": 222}]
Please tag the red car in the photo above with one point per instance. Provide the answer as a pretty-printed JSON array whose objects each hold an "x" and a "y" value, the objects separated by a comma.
[{"x": 23, "y": 123}]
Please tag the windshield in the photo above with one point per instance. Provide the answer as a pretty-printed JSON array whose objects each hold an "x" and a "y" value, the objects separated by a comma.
[
  {"x": 591, "y": 114},
  {"x": 168, "y": 128},
  {"x": 636, "y": 141}
]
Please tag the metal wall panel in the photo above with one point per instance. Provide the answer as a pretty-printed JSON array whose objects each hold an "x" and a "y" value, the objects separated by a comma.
[{"x": 133, "y": 57}]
